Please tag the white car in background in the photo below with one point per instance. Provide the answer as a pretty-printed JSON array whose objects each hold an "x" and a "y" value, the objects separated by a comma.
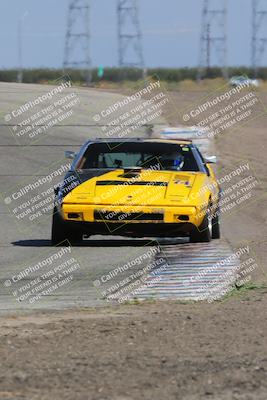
[
  {"x": 198, "y": 135},
  {"x": 241, "y": 80}
]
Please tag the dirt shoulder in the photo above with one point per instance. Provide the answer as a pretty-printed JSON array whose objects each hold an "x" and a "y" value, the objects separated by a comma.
[{"x": 165, "y": 350}]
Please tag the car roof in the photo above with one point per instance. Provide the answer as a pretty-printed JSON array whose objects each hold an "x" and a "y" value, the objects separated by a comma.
[{"x": 141, "y": 140}]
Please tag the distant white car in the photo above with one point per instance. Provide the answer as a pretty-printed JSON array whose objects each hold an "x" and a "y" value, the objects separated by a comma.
[
  {"x": 185, "y": 132},
  {"x": 198, "y": 135},
  {"x": 241, "y": 80}
]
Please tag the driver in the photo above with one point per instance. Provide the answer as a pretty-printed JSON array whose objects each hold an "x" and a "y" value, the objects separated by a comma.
[{"x": 172, "y": 161}]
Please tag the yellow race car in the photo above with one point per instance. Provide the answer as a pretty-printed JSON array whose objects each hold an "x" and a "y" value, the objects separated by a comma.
[{"x": 137, "y": 188}]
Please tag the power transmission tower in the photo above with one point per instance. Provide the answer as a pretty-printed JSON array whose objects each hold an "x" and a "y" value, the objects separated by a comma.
[
  {"x": 259, "y": 33},
  {"x": 213, "y": 38},
  {"x": 77, "y": 41},
  {"x": 129, "y": 34}
]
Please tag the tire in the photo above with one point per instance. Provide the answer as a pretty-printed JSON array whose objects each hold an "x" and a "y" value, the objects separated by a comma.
[
  {"x": 216, "y": 232},
  {"x": 60, "y": 231},
  {"x": 204, "y": 232}
]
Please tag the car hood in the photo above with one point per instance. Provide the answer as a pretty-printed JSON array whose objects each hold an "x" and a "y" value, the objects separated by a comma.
[{"x": 146, "y": 187}]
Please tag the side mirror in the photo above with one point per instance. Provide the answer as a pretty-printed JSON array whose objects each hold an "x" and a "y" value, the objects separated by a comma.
[
  {"x": 70, "y": 154},
  {"x": 210, "y": 160}
]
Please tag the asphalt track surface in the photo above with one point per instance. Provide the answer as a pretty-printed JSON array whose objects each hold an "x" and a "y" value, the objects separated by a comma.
[{"x": 92, "y": 269}]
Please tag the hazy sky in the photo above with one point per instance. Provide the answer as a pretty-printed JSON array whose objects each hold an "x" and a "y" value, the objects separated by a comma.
[{"x": 171, "y": 30}]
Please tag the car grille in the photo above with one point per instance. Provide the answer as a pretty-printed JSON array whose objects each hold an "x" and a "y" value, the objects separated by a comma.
[{"x": 123, "y": 216}]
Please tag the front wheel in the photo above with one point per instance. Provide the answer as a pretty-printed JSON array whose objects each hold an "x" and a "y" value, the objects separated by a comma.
[
  {"x": 204, "y": 232},
  {"x": 60, "y": 230},
  {"x": 216, "y": 234}
]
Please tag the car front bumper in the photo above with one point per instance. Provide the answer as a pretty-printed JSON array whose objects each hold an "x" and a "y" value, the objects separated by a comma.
[{"x": 124, "y": 214}]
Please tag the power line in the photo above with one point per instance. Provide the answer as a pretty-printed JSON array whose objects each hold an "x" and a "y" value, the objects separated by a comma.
[
  {"x": 129, "y": 34},
  {"x": 259, "y": 33},
  {"x": 77, "y": 41},
  {"x": 20, "y": 60},
  {"x": 213, "y": 38}
]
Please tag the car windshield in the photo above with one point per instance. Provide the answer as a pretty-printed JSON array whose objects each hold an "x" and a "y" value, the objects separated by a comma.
[{"x": 147, "y": 155}]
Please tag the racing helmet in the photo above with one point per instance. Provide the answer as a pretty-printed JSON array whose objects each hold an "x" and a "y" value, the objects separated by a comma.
[{"x": 172, "y": 161}]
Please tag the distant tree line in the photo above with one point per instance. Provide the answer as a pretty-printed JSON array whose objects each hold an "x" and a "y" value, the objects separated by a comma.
[{"x": 122, "y": 74}]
